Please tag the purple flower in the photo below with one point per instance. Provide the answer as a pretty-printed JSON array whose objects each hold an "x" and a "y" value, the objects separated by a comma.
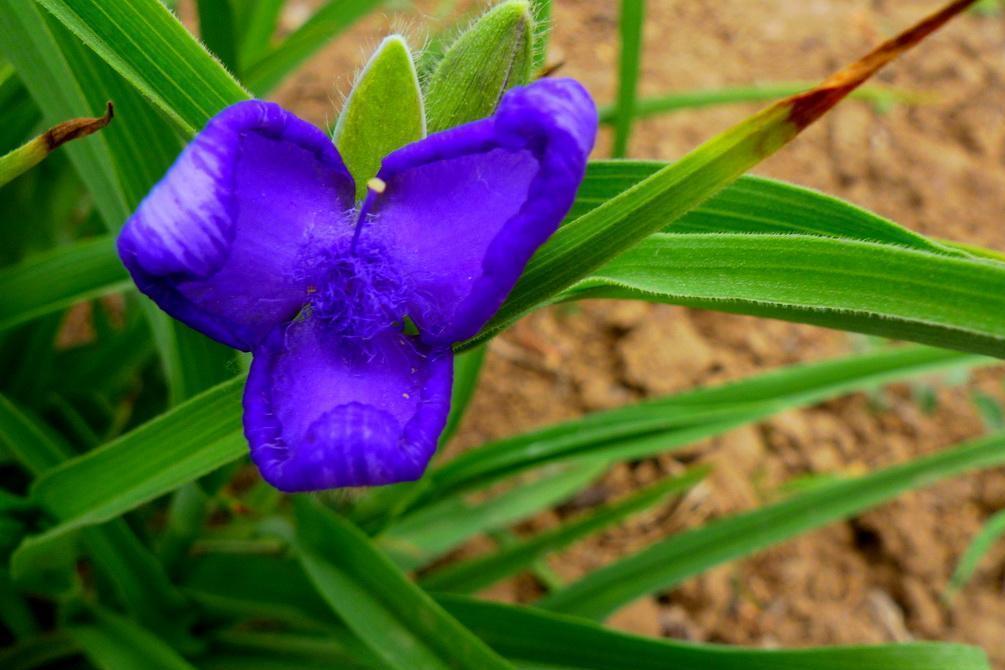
[{"x": 254, "y": 239}]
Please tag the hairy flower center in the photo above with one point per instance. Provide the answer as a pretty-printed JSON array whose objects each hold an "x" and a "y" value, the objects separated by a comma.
[{"x": 360, "y": 293}]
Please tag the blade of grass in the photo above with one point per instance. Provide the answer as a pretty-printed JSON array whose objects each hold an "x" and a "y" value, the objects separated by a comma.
[
  {"x": 332, "y": 18},
  {"x": 630, "y": 23},
  {"x": 879, "y": 289},
  {"x": 539, "y": 639},
  {"x": 686, "y": 554},
  {"x": 424, "y": 536},
  {"x": 477, "y": 573},
  {"x": 757, "y": 205},
  {"x": 151, "y": 49},
  {"x": 398, "y": 621},
  {"x": 257, "y": 25},
  {"x": 20, "y": 160},
  {"x": 218, "y": 30},
  {"x": 881, "y": 96},
  {"x": 579, "y": 248},
  {"x": 113, "y": 642},
  {"x": 59, "y": 278},
  {"x": 653, "y": 426},
  {"x": 275, "y": 589},
  {"x": 993, "y": 530}
]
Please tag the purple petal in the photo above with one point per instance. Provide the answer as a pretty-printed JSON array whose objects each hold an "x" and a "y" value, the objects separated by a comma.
[
  {"x": 463, "y": 210},
  {"x": 219, "y": 242},
  {"x": 321, "y": 411}
]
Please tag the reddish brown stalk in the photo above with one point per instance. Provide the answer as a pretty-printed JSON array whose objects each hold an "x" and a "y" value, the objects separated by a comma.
[
  {"x": 805, "y": 108},
  {"x": 74, "y": 128}
]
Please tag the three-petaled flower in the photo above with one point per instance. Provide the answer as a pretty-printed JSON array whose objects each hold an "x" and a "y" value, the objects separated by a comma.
[{"x": 253, "y": 238}]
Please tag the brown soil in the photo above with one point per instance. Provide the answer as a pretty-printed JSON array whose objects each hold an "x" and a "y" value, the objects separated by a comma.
[{"x": 939, "y": 169}]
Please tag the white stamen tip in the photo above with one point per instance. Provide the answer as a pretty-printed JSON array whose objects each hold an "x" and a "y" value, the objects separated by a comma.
[{"x": 376, "y": 185}]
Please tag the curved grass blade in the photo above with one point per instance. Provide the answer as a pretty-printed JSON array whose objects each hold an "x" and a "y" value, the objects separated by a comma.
[
  {"x": 879, "y": 289},
  {"x": 467, "y": 369},
  {"x": 757, "y": 205},
  {"x": 218, "y": 30},
  {"x": 30, "y": 154},
  {"x": 630, "y": 24},
  {"x": 148, "y": 46},
  {"x": 420, "y": 538},
  {"x": 584, "y": 245},
  {"x": 660, "y": 424},
  {"x": 537, "y": 639},
  {"x": 113, "y": 642},
  {"x": 477, "y": 573},
  {"x": 256, "y": 23},
  {"x": 881, "y": 96},
  {"x": 686, "y": 554},
  {"x": 188, "y": 442},
  {"x": 59, "y": 278},
  {"x": 275, "y": 589},
  {"x": 993, "y": 530},
  {"x": 38, "y": 651},
  {"x": 263, "y": 74},
  {"x": 398, "y": 621}
]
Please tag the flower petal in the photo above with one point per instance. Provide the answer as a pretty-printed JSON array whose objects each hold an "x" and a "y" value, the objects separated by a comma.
[
  {"x": 462, "y": 211},
  {"x": 323, "y": 412},
  {"x": 218, "y": 241}
]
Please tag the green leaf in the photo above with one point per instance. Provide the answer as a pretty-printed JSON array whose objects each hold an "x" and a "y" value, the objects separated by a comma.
[
  {"x": 383, "y": 113},
  {"x": 579, "y": 248},
  {"x": 24, "y": 437},
  {"x": 486, "y": 60},
  {"x": 59, "y": 278},
  {"x": 147, "y": 45},
  {"x": 538, "y": 639},
  {"x": 419, "y": 538},
  {"x": 880, "y": 96},
  {"x": 686, "y": 554},
  {"x": 257, "y": 23},
  {"x": 467, "y": 369},
  {"x": 993, "y": 530},
  {"x": 20, "y": 114},
  {"x": 274, "y": 589},
  {"x": 756, "y": 205},
  {"x": 113, "y": 642},
  {"x": 332, "y": 18},
  {"x": 660, "y": 424},
  {"x": 630, "y": 24},
  {"x": 865, "y": 287},
  {"x": 38, "y": 651},
  {"x": 477, "y": 573},
  {"x": 188, "y": 442},
  {"x": 398, "y": 621},
  {"x": 218, "y": 30},
  {"x": 18, "y": 161}
]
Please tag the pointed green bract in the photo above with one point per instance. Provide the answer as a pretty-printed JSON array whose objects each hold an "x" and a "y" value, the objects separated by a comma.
[
  {"x": 490, "y": 57},
  {"x": 383, "y": 113}
]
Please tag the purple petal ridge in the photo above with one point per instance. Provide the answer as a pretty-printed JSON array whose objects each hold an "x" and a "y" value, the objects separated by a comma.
[{"x": 216, "y": 244}]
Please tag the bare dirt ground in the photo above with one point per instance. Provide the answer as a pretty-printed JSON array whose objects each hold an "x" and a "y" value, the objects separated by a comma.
[{"x": 938, "y": 168}]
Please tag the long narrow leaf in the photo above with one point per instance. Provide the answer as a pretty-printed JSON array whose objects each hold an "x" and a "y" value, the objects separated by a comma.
[
  {"x": 401, "y": 624},
  {"x": 630, "y": 34},
  {"x": 880, "y": 289},
  {"x": 147, "y": 45},
  {"x": 545, "y": 640},
  {"x": 654, "y": 425},
  {"x": 686, "y": 554},
  {"x": 331, "y": 19},
  {"x": 472, "y": 575}
]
